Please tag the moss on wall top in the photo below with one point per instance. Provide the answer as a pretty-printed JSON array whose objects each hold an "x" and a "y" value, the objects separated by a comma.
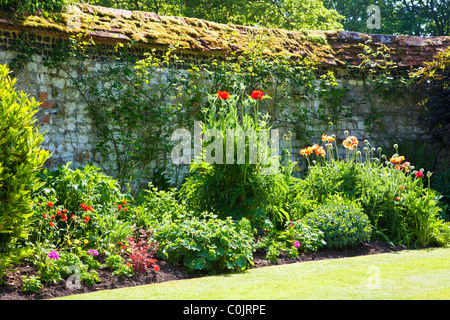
[{"x": 205, "y": 37}]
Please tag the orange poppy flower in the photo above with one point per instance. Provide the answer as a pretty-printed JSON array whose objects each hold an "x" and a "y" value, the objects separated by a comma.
[
  {"x": 397, "y": 160},
  {"x": 350, "y": 143},
  {"x": 307, "y": 151},
  {"x": 327, "y": 138}
]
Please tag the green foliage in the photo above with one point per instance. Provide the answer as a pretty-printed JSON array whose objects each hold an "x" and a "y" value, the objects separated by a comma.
[
  {"x": 30, "y": 6},
  {"x": 31, "y": 283},
  {"x": 157, "y": 205},
  {"x": 382, "y": 80},
  {"x": 389, "y": 191},
  {"x": 206, "y": 243},
  {"x": 434, "y": 82},
  {"x": 290, "y": 82},
  {"x": 423, "y": 218},
  {"x": 440, "y": 181},
  {"x": 295, "y": 237},
  {"x": 69, "y": 187},
  {"x": 79, "y": 204},
  {"x": 20, "y": 159},
  {"x": 240, "y": 189},
  {"x": 419, "y": 18},
  {"x": 285, "y": 14},
  {"x": 64, "y": 266},
  {"x": 118, "y": 265},
  {"x": 343, "y": 223},
  {"x": 132, "y": 104}
]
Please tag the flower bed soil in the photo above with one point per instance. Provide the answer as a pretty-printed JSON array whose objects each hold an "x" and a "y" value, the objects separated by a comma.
[{"x": 12, "y": 289}]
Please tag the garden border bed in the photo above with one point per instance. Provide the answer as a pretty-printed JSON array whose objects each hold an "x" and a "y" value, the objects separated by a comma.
[{"x": 168, "y": 272}]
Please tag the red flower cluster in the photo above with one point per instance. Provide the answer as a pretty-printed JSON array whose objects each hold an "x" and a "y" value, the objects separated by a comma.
[
  {"x": 86, "y": 208},
  {"x": 120, "y": 206},
  {"x": 60, "y": 213},
  {"x": 257, "y": 94},
  {"x": 223, "y": 95}
]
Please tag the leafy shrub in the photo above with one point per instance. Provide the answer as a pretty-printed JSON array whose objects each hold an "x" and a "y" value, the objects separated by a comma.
[
  {"x": 158, "y": 204},
  {"x": 322, "y": 181},
  {"x": 423, "y": 221},
  {"x": 343, "y": 223},
  {"x": 296, "y": 236},
  {"x": 302, "y": 202},
  {"x": 390, "y": 192},
  {"x": 80, "y": 204},
  {"x": 54, "y": 266},
  {"x": 440, "y": 182},
  {"x": 142, "y": 251},
  {"x": 206, "y": 243},
  {"x": 119, "y": 266},
  {"x": 239, "y": 189},
  {"x": 20, "y": 159},
  {"x": 69, "y": 187},
  {"x": 31, "y": 283}
]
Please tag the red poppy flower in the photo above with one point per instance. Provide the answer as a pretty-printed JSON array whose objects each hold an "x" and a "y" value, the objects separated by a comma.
[
  {"x": 257, "y": 94},
  {"x": 64, "y": 217},
  {"x": 52, "y": 217},
  {"x": 125, "y": 209},
  {"x": 44, "y": 215},
  {"x": 64, "y": 211},
  {"x": 419, "y": 174},
  {"x": 86, "y": 219},
  {"x": 50, "y": 204},
  {"x": 223, "y": 95},
  {"x": 124, "y": 202},
  {"x": 58, "y": 212},
  {"x": 52, "y": 224},
  {"x": 119, "y": 207}
]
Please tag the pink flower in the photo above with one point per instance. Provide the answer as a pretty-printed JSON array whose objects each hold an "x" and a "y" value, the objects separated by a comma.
[
  {"x": 419, "y": 174},
  {"x": 53, "y": 255},
  {"x": 297, "y": 244},
  {"x": 93, "y": 252}
]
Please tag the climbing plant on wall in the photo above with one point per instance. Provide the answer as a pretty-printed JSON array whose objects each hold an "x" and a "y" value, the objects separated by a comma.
[
  {"x": 434, "y": 83},
  {"x": 133, "y": 103},
  {"x": 291, "y": 82}
]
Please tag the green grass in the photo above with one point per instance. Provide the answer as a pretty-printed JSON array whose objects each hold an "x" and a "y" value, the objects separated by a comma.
[{"x": 404, "y": 275}]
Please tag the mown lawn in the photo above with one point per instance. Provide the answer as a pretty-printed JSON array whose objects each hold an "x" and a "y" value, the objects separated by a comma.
[{"x": 404, "y": 275}]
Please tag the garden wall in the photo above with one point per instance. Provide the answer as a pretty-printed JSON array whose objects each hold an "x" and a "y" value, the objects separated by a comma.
[{"x": 69, "y": 127}]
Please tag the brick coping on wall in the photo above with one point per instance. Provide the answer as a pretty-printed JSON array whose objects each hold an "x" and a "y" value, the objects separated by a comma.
[{"x": 332, "y": 48}]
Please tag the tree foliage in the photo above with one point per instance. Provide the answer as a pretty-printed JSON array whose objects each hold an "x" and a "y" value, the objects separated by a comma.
[
  {"x": 285, "y": 14},
  {"x": 21, "y": 6},
  {"x": 411, "y": 17}
]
